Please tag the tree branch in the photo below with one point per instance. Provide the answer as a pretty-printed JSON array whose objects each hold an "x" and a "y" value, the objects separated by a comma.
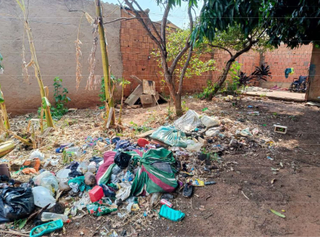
[
  {"x": 120, "y": 19},
  {"x": 220, "y": 47},
  {"x": 148, "y": 19},
  {"x": 245, "y": 49},
  {"x": 139, "y": 18},
  {"x": 164, "y": 24},
  {"x": 186, "y": 64}
]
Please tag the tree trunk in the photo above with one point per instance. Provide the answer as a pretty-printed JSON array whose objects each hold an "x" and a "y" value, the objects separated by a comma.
[
  {"x": 105, "y": 62},
  {"x": 175, "y": 96},
  {"x": 224, "y": 75},
  {"x": 222, "y": 79},
  {"x": 177, "y": 105}
]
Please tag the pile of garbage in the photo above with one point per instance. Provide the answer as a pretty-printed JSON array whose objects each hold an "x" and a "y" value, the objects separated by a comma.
[{"x": 132, "y": 175}]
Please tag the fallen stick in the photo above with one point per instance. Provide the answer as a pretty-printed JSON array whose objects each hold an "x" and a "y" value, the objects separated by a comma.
[
  {"x": 245, "y": 195},
  {"x": 13, "y": 232}
]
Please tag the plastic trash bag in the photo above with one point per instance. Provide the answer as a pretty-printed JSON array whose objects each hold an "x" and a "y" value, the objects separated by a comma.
[
  {"x": 42, "y": 197},
  {"x": 210, "y": 121},
  {"x": 15, "y": 203},
  {"x": 36, "y": 154},
  {"x": 47, "y": 180},
  {"x": 188, "y": 122},
  {"x": 170, "y": 136},
  {"x": 122, "y": 159},
  {"x": 195, "y": 147},
  {"x": 212, "y": 132}
]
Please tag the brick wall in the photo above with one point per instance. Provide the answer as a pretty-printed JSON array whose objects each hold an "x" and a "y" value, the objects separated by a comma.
[
  {"x": 282, "y": 58},
  {"x": 136, "y": 48}
]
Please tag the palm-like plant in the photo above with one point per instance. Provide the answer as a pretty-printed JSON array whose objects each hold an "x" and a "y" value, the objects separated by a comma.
[{"x": 260, "y": 73}]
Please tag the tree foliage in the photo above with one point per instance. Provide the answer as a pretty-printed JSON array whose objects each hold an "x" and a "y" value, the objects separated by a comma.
[
  {"x": 198, "y": 65},
  {"x": 292, "y": 22}
]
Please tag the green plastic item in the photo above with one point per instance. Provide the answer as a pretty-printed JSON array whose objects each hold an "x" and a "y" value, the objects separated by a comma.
[
  {"x": 99, "y": 209},
  {"x": 46, "y": 228},
  {"x": 170, "y": 136},
  {"x": 80, "y": 181},
  {"x": 171, "y": 214}
]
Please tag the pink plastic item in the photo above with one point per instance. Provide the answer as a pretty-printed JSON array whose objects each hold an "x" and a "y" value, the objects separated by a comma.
[{"x": 96, "y": 193}]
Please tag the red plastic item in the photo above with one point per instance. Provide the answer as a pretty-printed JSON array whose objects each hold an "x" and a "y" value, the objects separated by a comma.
[
  {"x": 96, "y": 193},
  {"x": 142, "y": 142}
]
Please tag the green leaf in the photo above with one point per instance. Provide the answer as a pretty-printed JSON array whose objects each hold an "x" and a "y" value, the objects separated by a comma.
[
  {"x": 277, "y": 213},
  {"x": 22, "y": 223}
]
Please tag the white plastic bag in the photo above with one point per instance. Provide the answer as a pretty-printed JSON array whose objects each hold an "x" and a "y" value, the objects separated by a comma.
[
  {"x": 210, "y": 121},
  {"x": 47, "y": 180},
  {"x": 36, "y": 154},
  {"x": 194, "y": 147},
  {"x": 42, "y": 197},
  {"x": 212, "y": 132},
  {"x": 124, "y": 192},
  {"x": 188, "y": 122}
]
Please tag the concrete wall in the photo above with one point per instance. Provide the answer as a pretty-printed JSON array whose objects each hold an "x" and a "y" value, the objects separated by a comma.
[
  {"x": 313, "y": 92},
  {"x": 55, "y": 31}
]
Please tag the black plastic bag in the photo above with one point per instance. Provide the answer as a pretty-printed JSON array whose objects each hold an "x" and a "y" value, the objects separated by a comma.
[
  {"x": 15, "y": 203},
  {"x": 122, "y": 159}
]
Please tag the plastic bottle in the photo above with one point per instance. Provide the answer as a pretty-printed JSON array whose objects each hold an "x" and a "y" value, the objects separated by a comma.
[
  {"x": 50, "y": 216},
  {"x": 73, "y": 151},
  {"x": 128, "y": 177}
]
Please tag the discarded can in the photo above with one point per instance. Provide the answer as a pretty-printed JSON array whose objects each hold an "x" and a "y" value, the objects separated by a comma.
[
  {"x": 209, "y": 182},
  {"x": 166, "y": 202}
]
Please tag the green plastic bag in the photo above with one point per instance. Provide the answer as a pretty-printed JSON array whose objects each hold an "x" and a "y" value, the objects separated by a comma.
[
  {"x": 170, "y": 136},
  {"x": 171, "y": 214}
]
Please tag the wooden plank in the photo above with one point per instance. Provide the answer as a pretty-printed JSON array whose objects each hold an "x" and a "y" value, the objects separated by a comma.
[
  {"x": 136, "y": 78},
  {"x": 134, "y": 96},
  {"x": 149, "y": 87}
]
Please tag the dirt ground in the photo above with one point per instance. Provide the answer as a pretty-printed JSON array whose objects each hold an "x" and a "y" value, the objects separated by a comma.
[{"x": 248, "y": 185}]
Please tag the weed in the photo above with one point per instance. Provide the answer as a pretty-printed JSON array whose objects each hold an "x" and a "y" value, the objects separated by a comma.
[
  {"x": 184, "y": 106},
  {"x": 60, "y": 98},
  {"x": 170, "y": 113}
]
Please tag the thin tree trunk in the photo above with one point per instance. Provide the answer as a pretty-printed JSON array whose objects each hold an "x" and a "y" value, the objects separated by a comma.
[
  {"x": 105, "y": 62},
  {"x": 222, "y": 79},
  {"x": 226, "y": 70},
  {"x": 178, "y": 105}
]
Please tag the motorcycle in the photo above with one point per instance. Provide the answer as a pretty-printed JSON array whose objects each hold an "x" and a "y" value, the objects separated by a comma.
[{"x": 299, "y": 85}]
